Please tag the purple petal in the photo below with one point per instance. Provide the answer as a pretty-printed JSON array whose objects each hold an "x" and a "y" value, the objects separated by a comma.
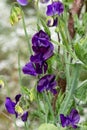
[
  {"x": 40, "y": 39},
  {"x": 45, "y": 66},
  {"x": 36, "y": 58},
  {"x": 55, "y": 8},
  {"x": 54, "y": 91},
  {"x": 23, "y": 2},
  {"x": 49, "y": 52},
  {"x": 29, "y": 69},
  {"x": 52, "y": 22},
  {"x": 17, "y": 97},
  {"x": 60, "y": 8},
  {"x": 74, "y": 116},
  {"x": 64, "y": 120},
  {"x": 41, "y": 67},
  {"x": 16, "y": 114},
  {"x": 24, "y": 116},
  {"x": 10, "y": 105},
  {"x": 49, "y": 11},
  {"x": 46, "y": 83}
]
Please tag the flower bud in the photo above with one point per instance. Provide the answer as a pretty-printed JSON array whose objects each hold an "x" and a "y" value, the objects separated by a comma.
[{"x": 15, "y": 15}]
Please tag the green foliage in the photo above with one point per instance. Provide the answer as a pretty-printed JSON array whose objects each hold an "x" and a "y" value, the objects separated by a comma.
[
  {"x": 31, "y": 93},
  {"x": 81, "y": 50},
  {"x": 47, "y": 127},
  {"x": 81, "y": 92},
  {"x": 69, "y": 105},
  {"x": 80, "y": 25},
  {"x": 83, "y": 126}
]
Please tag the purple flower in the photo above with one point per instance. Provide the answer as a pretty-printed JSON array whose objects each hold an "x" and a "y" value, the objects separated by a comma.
[
  {"x": 42, "y": 47},
  {"x": 47, "y": 83},
  {"x": 23, "y": 2},
  {"x": 70, "y": 120},
  {"x": 56, "y": 8},
  {"x": 13, "y": 108},
  {"x": 41, "y": 39},
  {"x": 52, "y": 22},
  {"x": 43, "y": 50},
  {"x": 35, "y": 69},
  {"x": 42, "y": 56}
]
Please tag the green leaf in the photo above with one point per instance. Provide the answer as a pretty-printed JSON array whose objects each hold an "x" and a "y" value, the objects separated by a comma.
[
  {"x": 46, "y": 126},
  {"x": 81, "y": 91},
  {"x": 38, "y": 27},
  {"x": 81, "y": 50}
]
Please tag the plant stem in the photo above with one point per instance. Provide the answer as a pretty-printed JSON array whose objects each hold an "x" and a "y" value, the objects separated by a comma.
[
  {"x": 19, "y": 69},
  {"x": 49, "y": 104},
  {"x": 67, "y": 70},
  {"x": 26, "y": 126},
  {"x": 26, "y": 34},
  {"x": 72, "y": 88}
]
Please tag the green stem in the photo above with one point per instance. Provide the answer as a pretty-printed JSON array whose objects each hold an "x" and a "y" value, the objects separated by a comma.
[
  {"x": 26, "y": 34},
  {"x": 67, "y": 70},
  {"x": 26, "y": 126},
  {"x": 81, "y": 85},
  {"x": 19, "y": 67},
  {"x": 24, "y": 25},
  {"x": 49, "y": 105},
  {"x": 72, "y": 88}
]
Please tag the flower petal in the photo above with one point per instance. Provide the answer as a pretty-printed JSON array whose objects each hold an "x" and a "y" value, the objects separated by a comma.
[
  {"x": 46, "y": 83},
  {"x": 29, "y": 69},
  {"x": 74, "y": 116},
  {"x": 23, "y": 2},
  {"x": 17, "y": 97},
  {"x": 24, "y": 116},
  {"x": 10, "y": 105},
  {"x": 64, "y": 120}
]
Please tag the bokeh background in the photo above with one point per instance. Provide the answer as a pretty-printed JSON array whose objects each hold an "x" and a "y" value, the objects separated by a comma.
[{"x": 12, "y": 39}]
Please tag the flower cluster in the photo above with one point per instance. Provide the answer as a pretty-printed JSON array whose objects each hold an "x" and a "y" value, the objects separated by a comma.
[
  {"x": 56, "y": 8},
  {"x": 43, "y": 50},
  {"x": 14, "y": 108},
  {"x": 70, "y": 120}
]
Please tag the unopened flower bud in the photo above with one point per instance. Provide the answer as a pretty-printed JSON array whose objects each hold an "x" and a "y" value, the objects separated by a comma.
[{"x": 15, "y": 15}]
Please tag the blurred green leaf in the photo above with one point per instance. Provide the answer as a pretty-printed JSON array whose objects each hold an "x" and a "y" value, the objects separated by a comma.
[
  {"x": 81, "y": 92},
  {"x": 81, "y": 50},
  {"x": 48, "y": 127}
]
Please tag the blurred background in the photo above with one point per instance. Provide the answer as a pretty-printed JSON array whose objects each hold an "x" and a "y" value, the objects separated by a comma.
[{"x": 12, "y": 39}]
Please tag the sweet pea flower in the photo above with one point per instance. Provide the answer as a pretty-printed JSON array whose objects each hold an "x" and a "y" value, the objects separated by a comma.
[
  {"x": 23, "y": 2},
  {"x": 56, "y": 8},
  {"x": 35, "y": 69},
  {"x": 40, "y": 39},
  {"x": 14, "y": 108},
  {"x": 52, "y": 21},
  {"x": 47, "y": 83},
  {"x": 43, "y": 50},
  {"x": 42, "y": 47},
  {"x": 70, "y": 120}
]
